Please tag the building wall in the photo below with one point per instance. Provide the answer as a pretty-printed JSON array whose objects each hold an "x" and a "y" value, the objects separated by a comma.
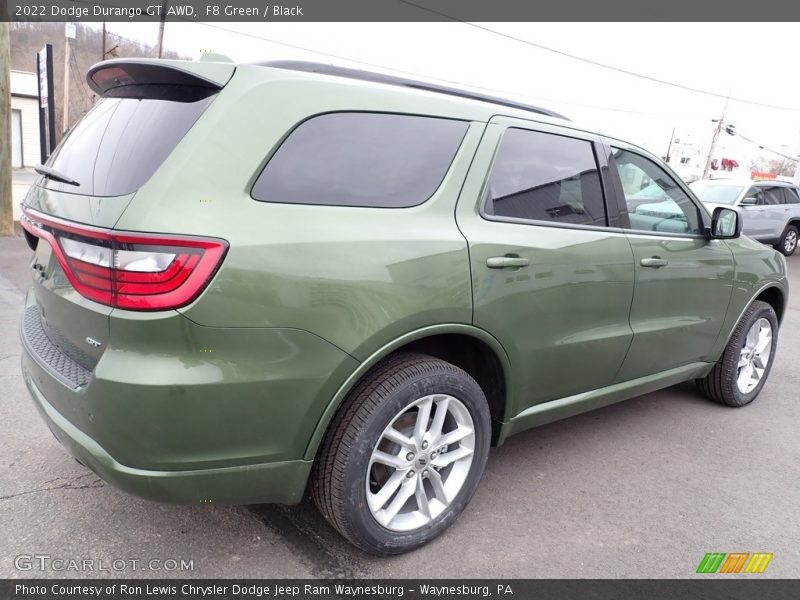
[
  {"x": 29, "y": 108},
  {"x": 24, "y": 89}
]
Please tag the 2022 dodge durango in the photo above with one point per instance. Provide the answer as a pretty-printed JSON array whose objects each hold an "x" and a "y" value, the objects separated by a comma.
[{"x": 253, "y": 280}]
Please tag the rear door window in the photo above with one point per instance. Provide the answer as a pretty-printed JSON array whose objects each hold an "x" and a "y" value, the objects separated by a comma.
[
  {"x": 773, "y": 196},
  {"x": 540, "y": 176},
  {"x": 373, "y": 160},
  {"x": 120, "y": 143}
]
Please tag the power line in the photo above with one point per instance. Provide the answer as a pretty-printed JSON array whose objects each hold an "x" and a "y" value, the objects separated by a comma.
[
  {"x": 459, "y": 83},
  {"x": 122, "y": 37},
  {"x": 599, "y": 64},
  {"x": 424, "y": 76},
  {"x": 112, "y": 6},
  {"x": 76, "y": 72},
  {"x": 768, "y": 149},
  {"x": 730, "y": 129},
  {"x": 328, "y": 54},
  {"x": 504, "y": 35},
  {"x": 495, "y": 32}
]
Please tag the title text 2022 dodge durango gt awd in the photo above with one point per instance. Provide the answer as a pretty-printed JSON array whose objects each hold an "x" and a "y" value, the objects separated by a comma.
[{"x": 249, "y": 280}]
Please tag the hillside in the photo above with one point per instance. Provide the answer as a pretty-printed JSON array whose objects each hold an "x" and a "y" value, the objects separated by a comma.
[{"x": 28, "y": 38}]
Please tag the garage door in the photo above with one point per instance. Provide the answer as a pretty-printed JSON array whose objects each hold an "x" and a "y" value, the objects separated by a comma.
[{"x": 16, "y": 138}]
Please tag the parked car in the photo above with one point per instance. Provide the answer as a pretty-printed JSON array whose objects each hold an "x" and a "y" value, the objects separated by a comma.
[
  {"x": 770, "y": 209},
  {"x": 252, "y": 279}
]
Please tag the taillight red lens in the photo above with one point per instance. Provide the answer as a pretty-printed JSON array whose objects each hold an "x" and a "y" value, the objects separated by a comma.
[{"x": 130, "y": 270}]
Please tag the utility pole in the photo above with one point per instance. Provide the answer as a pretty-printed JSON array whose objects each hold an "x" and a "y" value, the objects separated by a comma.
[
  {"x": 669, "y": 147},
  {"x": 103, "y": 55},
  {"x": 69, "y": 33},
  {"x": 161, "y": 29},
  {"x": 713, "y": 145},
  {"x": 714, "y": 141},
  {"x": 6, "y": 202}
]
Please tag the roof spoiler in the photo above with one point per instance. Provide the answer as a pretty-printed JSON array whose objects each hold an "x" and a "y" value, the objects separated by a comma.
[{"x": 184, "y": 81}]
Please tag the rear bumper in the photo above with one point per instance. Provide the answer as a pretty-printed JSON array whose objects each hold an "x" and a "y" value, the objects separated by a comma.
[
  {"x": 183, "y": 413},
  {"x": 281, "y": 482}
]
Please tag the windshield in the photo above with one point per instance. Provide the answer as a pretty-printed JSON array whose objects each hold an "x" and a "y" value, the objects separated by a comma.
[
  {"x": 716, "y": 193},
  {"x": 120, "y": 143}
]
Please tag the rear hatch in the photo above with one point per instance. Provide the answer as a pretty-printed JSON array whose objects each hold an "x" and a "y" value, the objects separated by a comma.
[{"x": 82, "y": 269}]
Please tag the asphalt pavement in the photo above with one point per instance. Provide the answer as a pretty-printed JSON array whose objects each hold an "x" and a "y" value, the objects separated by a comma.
[{"x": 640, "y": 489}]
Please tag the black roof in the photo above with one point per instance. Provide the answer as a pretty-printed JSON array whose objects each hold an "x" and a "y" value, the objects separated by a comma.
[{"x": 325, "y": 69}]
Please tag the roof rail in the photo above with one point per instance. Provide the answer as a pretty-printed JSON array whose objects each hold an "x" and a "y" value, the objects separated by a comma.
[{"x": 326, "y": 69}]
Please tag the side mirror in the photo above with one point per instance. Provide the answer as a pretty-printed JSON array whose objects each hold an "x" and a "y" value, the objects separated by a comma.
[
  {"x": 749, "y": 201},
  {"x": 725, "y": 224}
]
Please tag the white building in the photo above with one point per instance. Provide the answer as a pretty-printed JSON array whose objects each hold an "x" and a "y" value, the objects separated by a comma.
[
  {"x": 24, "y": 120},
  {"x": 688, "y": 154}
]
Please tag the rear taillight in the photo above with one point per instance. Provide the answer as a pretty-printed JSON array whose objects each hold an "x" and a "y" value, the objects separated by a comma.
[{"x": 129, "y": 270}]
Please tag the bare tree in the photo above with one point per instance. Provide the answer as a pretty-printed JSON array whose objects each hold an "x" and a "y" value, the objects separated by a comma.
[{"x": 775, "y": 166}]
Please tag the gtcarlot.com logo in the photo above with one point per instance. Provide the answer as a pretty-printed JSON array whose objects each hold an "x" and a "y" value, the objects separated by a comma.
[
  {"x": 46, "y": 562},
  {"x": 734, "y": 562}
]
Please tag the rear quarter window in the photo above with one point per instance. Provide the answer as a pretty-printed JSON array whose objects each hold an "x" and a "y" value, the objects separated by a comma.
[{"x": 361, "y": 159}]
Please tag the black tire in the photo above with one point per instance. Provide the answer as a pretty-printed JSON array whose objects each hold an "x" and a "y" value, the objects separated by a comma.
[
  {"x": 338, "y": 479},
  {"x": 721, "y": 383},
  {"x": 788, "y": 242}
]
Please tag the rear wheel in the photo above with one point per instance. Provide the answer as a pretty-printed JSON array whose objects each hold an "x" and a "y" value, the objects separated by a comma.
[
  {"x": 788, "y": 243},
  {"x": 404, "y": 455},
  {"x": 742, "y": 371}
]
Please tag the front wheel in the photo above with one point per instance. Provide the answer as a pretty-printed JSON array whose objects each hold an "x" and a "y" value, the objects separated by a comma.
[
  {"x": 744, "y": 366},
  {"x": 404, "y": 455},
  {"x": 788, "y": 242}
]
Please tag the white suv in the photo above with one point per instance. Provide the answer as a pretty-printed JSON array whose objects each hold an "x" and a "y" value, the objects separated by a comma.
[{"x": 770, "y": 209}]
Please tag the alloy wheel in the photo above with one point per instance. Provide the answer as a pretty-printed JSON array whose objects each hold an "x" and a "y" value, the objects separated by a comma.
[
  {"x": 790, "y": 241},
  {"x": 420, "y": 462},
  {"x": 754, "y": 356}
]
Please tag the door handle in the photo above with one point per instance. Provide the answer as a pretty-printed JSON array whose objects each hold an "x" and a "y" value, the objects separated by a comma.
[
  {"x": 505, "y": 262},
  {"x": 654, "y": 262}
]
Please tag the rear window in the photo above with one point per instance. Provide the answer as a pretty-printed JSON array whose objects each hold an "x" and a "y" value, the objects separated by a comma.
[
  {"x": 120, "y": 143},
  {"x": 361, "y": 159}
]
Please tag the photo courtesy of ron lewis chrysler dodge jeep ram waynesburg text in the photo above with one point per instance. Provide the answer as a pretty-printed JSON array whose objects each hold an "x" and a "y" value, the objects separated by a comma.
[{"x": 252, "y": 280}]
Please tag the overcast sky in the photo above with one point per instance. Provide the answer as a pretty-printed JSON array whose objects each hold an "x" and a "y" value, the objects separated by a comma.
[{"x": 754, "y": 61}]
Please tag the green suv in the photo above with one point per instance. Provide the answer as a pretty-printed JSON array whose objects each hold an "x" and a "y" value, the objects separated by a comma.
[{"x": 254, "y": 280}]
